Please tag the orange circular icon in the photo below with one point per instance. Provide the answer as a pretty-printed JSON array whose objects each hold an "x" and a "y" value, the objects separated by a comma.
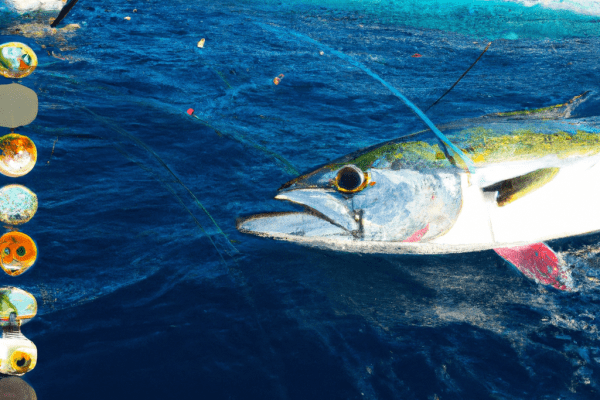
[{"x": 18, "y": 253}]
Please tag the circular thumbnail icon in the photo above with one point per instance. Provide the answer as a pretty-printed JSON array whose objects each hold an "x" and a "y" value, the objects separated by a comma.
[
  {"x": 16, "y": 388},
  {"x": 17, "y": 60},
  {"x": 19, "y": 105},
  {"x": 18, "y": 253},
  {"x": 17, "y": 204},
  {"x": 18, "y": 155},
  {"x": 18, "y": 354},
  {"x": 16, "y": 306}
]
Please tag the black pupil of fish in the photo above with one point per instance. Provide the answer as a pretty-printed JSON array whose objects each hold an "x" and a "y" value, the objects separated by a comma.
[
  {"x": 21, "y": 362},
  {"x": 21, "y": 251},
  {"x": 349, "y": 179}
]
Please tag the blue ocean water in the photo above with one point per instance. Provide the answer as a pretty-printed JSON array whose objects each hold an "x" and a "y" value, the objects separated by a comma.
[{"x": 147, "y": 290}]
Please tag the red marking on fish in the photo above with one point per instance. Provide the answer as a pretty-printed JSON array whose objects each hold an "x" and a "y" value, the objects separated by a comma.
[
  {"x": 538, "y": 262},
  {"x": 417, "y": 236}
]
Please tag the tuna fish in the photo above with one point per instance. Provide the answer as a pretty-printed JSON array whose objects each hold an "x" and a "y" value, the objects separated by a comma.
[{"x": 535, "y": 179}]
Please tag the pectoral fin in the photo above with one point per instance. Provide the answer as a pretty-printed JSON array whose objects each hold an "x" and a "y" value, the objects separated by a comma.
[
  {"x": 512, "y": 189},
  {"x": 538, "y": 262}
]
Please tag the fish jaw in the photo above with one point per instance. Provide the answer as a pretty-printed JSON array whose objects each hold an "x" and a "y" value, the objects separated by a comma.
[
  {"x": 326, "y": 216},
  {"x": 292, "y": 226},
  {"x": 327, "y": 204}
]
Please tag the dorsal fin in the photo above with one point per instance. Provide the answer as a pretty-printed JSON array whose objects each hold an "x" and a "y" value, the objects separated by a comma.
[
  {"x": 512, "y": 189},
  {"x": 557, "y": 111}
]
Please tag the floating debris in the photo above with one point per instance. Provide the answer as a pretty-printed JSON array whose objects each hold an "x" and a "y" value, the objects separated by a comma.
[
  {"x": 416, "y": 55},
  {"x": 71, "y": 27},
  {"x": 278, "y": 79},
  {"x": 127, "y": 18},
  {"x": 201, "y": 43}
]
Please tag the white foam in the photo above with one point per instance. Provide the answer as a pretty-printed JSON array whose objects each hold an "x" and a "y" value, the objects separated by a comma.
[
  {"x": 23, "y": 6},
  {"x": 587, "y": 7}
]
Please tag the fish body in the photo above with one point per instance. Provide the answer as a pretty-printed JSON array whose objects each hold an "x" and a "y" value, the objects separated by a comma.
[{"x": 535, "y": 180}]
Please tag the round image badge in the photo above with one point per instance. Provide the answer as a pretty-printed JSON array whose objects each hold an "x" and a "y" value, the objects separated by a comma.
[{"x": 17, "y": 60}]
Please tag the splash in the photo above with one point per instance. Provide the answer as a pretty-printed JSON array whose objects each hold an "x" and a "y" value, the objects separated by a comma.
[
  {"x": 481, "y": 19},
  {"x": 23, "y": 6},
  {"x": 585, "y": 7}
]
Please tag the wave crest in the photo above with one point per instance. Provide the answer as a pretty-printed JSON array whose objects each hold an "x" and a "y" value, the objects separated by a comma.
[{"x": 586, "y": 7}]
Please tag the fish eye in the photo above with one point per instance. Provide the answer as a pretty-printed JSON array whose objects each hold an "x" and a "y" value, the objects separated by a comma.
[
  {"x": 21, "y": 251},
  {"x": 350, "y": 179},
  {"x": 6, "y": 251}
]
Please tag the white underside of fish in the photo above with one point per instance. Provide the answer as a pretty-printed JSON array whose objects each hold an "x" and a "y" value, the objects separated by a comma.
[{"x": 565, "y": 206}]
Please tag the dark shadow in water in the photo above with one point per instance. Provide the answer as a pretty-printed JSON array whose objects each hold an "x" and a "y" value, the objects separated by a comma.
[{"x": 324, "y": 347}]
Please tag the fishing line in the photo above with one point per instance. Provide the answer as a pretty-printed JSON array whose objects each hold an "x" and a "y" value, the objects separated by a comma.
[
  {"x": 236, "y": 274},
  {"x": 289, "y": 168},
  {"x": 170, "y": 189},
  {"x": 462, "y": 76},
  {"x": 408, "y": 103},
  {"x": 148, "y": 149}
]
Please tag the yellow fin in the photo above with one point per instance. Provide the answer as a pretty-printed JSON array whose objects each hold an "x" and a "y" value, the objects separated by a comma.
[{"x": 556, "y": 111}]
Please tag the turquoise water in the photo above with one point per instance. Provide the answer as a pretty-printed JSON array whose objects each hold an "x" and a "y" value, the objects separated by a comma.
[{"x": 478, "y": 19}]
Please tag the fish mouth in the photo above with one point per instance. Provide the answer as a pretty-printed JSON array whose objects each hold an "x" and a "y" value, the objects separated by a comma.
[{"x": 325, "y": 216}]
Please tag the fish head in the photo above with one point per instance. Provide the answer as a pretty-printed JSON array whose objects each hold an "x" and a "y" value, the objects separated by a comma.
[{"x": 377, "y": 194}]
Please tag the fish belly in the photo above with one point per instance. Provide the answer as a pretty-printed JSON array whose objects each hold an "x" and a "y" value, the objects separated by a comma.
[
  {"x": 566, "y": 206},
  {"x": 473, "y": 226}
]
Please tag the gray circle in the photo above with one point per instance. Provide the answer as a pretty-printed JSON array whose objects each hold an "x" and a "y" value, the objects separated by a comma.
[{"x": 16, "y": 389}]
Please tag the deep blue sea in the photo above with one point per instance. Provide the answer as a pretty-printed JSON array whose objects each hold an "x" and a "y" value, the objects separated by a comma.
[{"x": 146, "y": 290}]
